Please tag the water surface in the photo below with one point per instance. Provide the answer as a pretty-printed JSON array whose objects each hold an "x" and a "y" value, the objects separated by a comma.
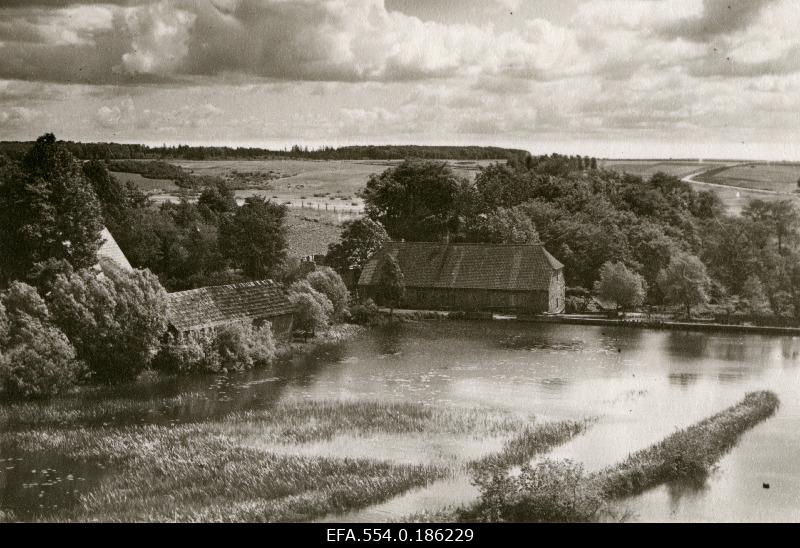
[{"x": 641, "y": 385}]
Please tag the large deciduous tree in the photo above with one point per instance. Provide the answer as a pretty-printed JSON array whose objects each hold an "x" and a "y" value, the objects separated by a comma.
[
  {"x": 360, "y": 239},
  {"x": 417, "y": 201},
  {"x": 255, "y": 237},
  {"x": 684, "y": 281},
  {"x": 621, "y": 286},
  {"x": 48, "y": 210}
]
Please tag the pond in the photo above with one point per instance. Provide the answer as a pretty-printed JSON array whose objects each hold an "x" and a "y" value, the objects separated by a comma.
[{"x": 640, "y": 385}]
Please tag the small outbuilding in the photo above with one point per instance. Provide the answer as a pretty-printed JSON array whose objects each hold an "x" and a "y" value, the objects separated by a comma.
[
  {"x": 215, "y": 306},
  {"x": 520, "y": 279}
]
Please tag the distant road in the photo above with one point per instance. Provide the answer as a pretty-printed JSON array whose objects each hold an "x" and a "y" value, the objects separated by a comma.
[{"x": 691, "y": 179}]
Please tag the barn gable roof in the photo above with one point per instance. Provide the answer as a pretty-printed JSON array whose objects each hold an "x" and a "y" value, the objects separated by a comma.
[
  {"x": 221, "y": 304},
  {"x": 508, "y": 267},
  {"x": 110, "y": 252}
]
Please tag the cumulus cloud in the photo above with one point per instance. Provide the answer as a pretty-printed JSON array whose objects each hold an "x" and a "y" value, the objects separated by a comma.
[
  {"x": 357, "y": 69},
  {"x": 716, "y": 18},
  {"x": 18, "y": 117}
]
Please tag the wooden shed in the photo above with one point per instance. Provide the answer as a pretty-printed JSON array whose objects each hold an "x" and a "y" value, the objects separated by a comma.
[
  {"x": 521, "y": 279},
  {"x": 210, "y": 307}
]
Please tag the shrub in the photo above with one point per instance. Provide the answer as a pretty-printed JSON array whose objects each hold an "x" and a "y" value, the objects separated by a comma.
[
  {"x": 115, "y": 321},
  {"x": 312, "y": 309},
  {"x": 329, "y": 283},
  {"x": 39, "y": 360},
  {"x": 241, "y": 346},
  {"x": 364, "y": 313},
  {"x": 548, "y": 491},
  {"x": 182, "y": 353},
  {"x": 234, "y": 347}
]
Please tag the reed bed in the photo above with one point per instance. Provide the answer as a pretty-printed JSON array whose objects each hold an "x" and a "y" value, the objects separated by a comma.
[
  {"x": 560, "y": 491},
  {"x": 304, "y": 422},
  {"x": 177, "y": 473},
  {"x": 69, "y": 412},
  {"x": 531, "y": 441},
  {"x": 688, "y": 454}
]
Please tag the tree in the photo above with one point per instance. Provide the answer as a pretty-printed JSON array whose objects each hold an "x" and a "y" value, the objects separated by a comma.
[
  {"x": 48, "y": 209},
  {"x": 755, "y": 296},
  {"x": 416, "y": 201},
  {"x": 255, "y": 237},
  {"x": 329, "y": 283},
  {"x": 391, "y": 284},
  {"x": 620, "y": 286},
  {"x": 116, "y": 199},
  {"x": 115, "y": 321},
  {"x": 781, "y": 217},
  {"x": 312, "y": 309},
  {"x": 217, "y": 199},
  {"x": 504, "y": 226},
  {"x": 684, "y": 281},
  {"x": 360, "y": 239}
]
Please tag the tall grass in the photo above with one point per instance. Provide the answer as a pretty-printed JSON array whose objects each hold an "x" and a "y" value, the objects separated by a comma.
[
  {"x": 209, "y": 470},
  {"x": 303, "y": 422},
  {"x": 181, "y": 473},
  {"x": 688, "y": 454},
  {"x": 532, "y": 440}
]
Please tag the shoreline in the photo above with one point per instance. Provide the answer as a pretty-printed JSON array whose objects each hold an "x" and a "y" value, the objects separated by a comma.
[
  {"x": 675, "y": 325},
  {"x": 668, "y": 324}
]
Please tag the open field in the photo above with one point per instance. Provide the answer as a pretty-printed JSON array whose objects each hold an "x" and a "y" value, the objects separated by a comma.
[
  {"x": 313, "y": 184},
  {"x": 146, "y": 185},
  {"x": 763, "y": 176},
  {"x": 311, "y": 232},
  {"x": 648, "y": 168}
]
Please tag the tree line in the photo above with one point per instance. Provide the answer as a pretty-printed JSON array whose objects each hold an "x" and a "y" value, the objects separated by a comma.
[
  {"x": 636, "y": 241},
  {"x": 123, "y": 151}
]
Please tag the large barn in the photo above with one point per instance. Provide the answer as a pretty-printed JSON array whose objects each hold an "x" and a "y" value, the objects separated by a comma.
[
  {"x": 214, "y": 306},
  {"x": 523, "y": 279}
]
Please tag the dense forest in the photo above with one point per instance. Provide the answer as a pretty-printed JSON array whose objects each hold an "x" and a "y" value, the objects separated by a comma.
[{"x": 120, "y": 151}]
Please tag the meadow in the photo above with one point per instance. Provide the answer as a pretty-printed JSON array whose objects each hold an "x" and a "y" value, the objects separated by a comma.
[
  {"x": 146, "y": 185},
  {"x": 648, "y": 168},
  {"x": 773, "y": 177}
]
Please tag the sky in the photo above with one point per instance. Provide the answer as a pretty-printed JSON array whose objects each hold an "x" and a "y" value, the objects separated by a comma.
[{"x": 606, "y": 78}]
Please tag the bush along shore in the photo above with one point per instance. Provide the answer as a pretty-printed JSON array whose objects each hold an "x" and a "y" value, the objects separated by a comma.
[{"x": 561, "y": 491}]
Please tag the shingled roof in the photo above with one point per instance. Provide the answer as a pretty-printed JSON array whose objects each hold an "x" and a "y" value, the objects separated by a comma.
[
  {"x": 110, "y": 251},
  {"x": 221, "y": 304},
  {"x": 467, "y": 266}
]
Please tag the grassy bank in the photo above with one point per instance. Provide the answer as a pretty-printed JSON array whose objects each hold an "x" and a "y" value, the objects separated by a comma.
[{"x": 560, "y": 491}]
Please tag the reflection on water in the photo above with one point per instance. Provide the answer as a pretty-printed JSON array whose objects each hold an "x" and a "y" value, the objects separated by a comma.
[{"x": 641, "y": 384}]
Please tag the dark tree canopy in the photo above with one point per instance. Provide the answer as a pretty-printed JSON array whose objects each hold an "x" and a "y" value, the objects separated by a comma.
[
  {"x": 254, "y": 238},
  {"x": 360, "y": 239},
  {"x": 48, "y": 210},
  {"x": 416, "y": 201}
]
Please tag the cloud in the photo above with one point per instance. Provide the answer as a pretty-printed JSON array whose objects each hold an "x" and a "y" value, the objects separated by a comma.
[
  {"x": 718, "y": 17},
  {"x": 18, "y": 117},
  {"x": 126, "y": 116}
]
